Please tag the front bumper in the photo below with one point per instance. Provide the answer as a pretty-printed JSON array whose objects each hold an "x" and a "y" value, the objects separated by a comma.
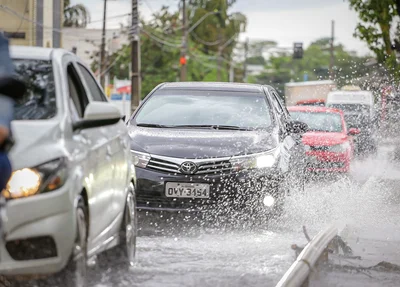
[
  {"x": 226, "y": 190},
  {"x": 46, "y": 219},
  {"x": 323, "y": 161}
]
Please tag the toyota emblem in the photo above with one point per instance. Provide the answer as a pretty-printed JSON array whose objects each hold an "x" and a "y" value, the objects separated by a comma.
[{"x": 188, "y": 167}]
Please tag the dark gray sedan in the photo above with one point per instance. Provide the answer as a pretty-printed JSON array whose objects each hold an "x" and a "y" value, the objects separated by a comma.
[{"x": 214, "y": 147}]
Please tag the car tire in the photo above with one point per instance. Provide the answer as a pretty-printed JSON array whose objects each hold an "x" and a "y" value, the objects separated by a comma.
[
  {"x": 74, "y": 274},
  {"x": 128, "y": 231}
]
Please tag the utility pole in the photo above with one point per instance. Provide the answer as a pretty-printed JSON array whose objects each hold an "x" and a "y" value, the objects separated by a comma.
[
  {"x": 219, "y": 59},
  {"x": 135, "y": 58},
  {"x": 184, "y": 47},
  {"x": 246, "y": 51},
  {"x": 332, "y": 51},
  {"x": 103, "y": 46}
]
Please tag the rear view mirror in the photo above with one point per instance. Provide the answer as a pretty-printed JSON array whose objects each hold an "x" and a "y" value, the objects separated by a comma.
[
  {"x": 98, "y": 114},
  {"x": 353, "y": 131},
  {"x": 297, "y": 127}
]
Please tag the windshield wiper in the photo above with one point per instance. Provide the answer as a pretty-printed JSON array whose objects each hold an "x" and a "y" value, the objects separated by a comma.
[
  {"x": 216, "y": 127},
  {"x": 225, "y": 127},
  {"x": 151, "y": 125}
]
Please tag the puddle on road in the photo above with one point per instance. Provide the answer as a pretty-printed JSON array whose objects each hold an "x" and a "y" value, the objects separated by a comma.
[{"x": 218, "y": 257}]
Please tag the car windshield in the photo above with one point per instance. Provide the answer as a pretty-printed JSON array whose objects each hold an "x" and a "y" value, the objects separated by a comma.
[
  {"x": 192, "y": 109},
  {"x": 39, "y": 101},
  {"x": 319, "y": 121}
]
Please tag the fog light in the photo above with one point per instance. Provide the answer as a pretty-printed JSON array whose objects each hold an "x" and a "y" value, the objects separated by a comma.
[{"x": 269, "y": 201}]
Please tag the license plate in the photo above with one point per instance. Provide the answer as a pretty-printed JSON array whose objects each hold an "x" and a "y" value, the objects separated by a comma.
[{"x": 187, "y": 190}]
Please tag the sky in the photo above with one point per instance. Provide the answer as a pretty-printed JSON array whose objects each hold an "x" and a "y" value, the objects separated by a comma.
[{"x": 284, "y": 21}]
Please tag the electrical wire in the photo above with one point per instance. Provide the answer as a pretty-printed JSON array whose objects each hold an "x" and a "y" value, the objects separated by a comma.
[
  {"x": 111, "y": 17},
  {"x": 149, "y": 6},
  {"x": 25, "y": 11},
  {"x": 155, "y": 38},
  {"x": 201, "y": 41},
  {"x": 112, "y": 64},
  {"x": 150, "y": 35},
  {"x": 10, "y": 11}
]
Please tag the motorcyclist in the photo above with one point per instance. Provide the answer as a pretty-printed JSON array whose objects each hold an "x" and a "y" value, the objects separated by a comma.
[{"x": 11, "y": 89}]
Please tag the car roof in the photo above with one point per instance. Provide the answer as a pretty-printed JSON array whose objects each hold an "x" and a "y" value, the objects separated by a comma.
[
  {"x": 25, "y": 52},
  {"x": 213, "y": 86},
  {"x": 313, "y": 109},
  {"x": 37, "y": 53}
]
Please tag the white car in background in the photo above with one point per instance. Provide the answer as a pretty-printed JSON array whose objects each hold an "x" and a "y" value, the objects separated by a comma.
[{"x": 71, "y": 195}]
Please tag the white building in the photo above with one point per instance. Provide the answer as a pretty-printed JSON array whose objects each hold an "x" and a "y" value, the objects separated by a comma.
[{"x": 88, "y": 41}]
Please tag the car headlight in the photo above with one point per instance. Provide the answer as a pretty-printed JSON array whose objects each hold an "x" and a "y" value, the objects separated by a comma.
[
  {"x": 339, "y": 147},
  {"x": 262, "y": 160},
  {"x": 140, "y": 159},
  {"x": 43, "y": 178}
]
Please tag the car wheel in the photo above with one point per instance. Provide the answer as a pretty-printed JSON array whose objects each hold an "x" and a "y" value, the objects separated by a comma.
[
  {"x": 74, "y": 274},
  {"x": 129, "y": 228}
]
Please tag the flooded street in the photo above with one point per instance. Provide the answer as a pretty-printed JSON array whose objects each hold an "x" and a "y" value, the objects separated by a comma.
[
  {"x": 219, "y": 259},
  {"x": 259, "y": 257}
]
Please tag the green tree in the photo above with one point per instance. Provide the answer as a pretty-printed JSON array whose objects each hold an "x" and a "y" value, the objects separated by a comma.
[
  {"x": 75, "y": 15},
  {"x": 282, "y": 68},
  {"x": 160, "y": 55},
  {"x": 376, "y": 21},
  {"x": 216, "y": 30}
]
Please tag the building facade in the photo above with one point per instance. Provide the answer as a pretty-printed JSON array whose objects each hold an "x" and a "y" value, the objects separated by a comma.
[
  {"x": 87, "y": 42},
  {"x": 32, "y": 22}
]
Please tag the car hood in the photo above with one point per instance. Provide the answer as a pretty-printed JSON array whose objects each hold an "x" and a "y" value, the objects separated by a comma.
[
  {"x": 199, "y": 143},
  {"x": 34, "y": 142},
  {"x": 323, "y": 138}
]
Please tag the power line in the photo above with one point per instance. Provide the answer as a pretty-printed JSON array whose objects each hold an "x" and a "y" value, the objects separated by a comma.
[
  {"x": 112, "y": 64},
  {"x": 155, "y": 38},
  {"x": 202, "y": 62},
  {"x": 201, "y": 41},
  {"x": 25, "y": 10},
  {"x": 8, "y": 10},
  {"x": 109, "y": 18},
  {"x": 149, "y": 6},
  {"x": 13, "y": 12},
  {"x": 162, "y": 39}
]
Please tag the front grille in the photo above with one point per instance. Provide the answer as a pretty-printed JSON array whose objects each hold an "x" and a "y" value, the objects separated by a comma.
[
  {"x": 163, "y": 165},
  {"x": 203, "y": 168},
  {"x": 215, "y": 167},
  {"x": 32, "y": 248}
]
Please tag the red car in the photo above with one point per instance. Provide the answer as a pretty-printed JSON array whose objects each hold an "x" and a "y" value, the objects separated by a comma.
[{"x": 329, "y": 142}]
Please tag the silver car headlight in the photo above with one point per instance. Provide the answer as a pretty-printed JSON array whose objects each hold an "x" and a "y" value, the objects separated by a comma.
[
  {"x": 261, "y": 160},
  {"x": 339, "y": 147},
  {"x": 140, "y": 159},
  {"x": 40, "y": 179}
]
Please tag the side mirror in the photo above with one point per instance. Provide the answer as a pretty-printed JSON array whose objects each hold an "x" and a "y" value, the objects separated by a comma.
[
  {"x": 353, "y": 131},
  {"x": 297, "y": 127},
  {"x": 98, "y": 114},
  {"x": 123, "y": 118}
]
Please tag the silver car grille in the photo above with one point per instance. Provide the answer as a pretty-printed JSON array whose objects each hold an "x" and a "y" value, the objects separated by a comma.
[{"x": 210, "y": 167}]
